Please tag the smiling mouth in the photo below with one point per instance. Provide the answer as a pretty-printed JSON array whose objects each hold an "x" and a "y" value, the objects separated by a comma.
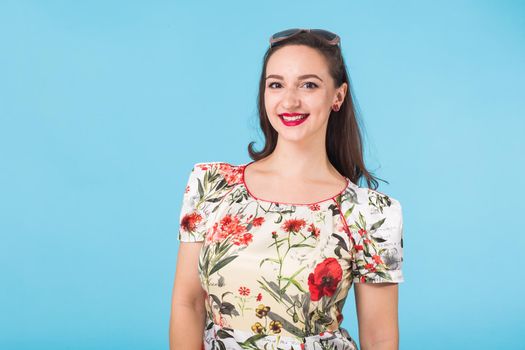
[{"x": 291, "y": 118}]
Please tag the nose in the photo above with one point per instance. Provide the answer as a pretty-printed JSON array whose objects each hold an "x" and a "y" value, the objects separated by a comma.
[{"x": 290, "y": 99}]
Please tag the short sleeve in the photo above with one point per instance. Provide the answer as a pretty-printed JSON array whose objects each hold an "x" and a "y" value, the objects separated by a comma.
[
  {"x": 377, "y": 254},
  {"x": 192, "y": 221}
]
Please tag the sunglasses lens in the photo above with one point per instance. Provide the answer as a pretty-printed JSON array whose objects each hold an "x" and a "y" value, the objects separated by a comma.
[
  {"x": 332, "y": 38},
  {"x": 325, "y": 34},
  {"x": 285, "y": 33}
]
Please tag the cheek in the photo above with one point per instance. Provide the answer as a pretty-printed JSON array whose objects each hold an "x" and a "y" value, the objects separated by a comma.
[
  {"x": 270, "y": 104},
  {"x": 318, "y": 102},
  {"x": 269, "y": 101}
]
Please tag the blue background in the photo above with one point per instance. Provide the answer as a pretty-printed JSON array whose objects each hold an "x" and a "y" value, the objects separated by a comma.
[{"x": 106, "y": 105}]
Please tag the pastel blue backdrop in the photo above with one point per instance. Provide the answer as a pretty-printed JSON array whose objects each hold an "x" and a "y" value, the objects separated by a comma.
[{"x": 106, "y": 105}]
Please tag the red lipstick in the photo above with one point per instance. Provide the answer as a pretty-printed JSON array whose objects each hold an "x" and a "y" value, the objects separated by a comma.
[{"x": 295, "y": 121}]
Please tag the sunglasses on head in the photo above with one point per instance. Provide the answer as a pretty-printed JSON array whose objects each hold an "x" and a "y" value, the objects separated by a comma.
[{"x": 329, "y": 37}]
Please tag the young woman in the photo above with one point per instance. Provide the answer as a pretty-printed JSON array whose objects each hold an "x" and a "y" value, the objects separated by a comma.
[{"x": 270, "y": 249}]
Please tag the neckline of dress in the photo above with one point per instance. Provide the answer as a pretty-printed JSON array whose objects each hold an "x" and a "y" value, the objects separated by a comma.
[{"x": 243, "y": 182}]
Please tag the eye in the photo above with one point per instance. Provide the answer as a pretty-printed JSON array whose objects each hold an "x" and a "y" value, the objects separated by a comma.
[
  {"x": 314, "y": 85},
  {"x": 311, "y": 85}
]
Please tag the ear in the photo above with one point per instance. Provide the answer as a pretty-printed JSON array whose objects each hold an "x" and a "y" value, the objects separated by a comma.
[{"x": 340, "y": 93}]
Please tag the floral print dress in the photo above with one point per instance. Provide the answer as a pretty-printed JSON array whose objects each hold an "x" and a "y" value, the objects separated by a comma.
[{"x": 276, "y": 275}]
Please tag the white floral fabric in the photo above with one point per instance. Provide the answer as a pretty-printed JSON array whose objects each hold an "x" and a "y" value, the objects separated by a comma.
[{"x": 276, "y": 275}]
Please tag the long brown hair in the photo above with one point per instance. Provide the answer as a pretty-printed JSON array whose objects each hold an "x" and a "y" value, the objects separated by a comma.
[{"x": 344, "y": 144}]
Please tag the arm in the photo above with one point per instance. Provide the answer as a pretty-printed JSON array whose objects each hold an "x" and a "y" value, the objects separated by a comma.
[
  {"x": 188, "y": 312},
  {"x": 376, "y": 305}
]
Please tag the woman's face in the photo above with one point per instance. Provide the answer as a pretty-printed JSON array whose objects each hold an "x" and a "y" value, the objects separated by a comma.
[{"x": 298, "y": 81}]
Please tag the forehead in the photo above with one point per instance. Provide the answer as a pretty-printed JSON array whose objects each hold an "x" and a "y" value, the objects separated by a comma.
[{"x": 293, "y": 60}]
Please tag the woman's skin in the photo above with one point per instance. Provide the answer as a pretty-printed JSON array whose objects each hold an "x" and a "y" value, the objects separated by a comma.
[
  {"x": 298, "y": 171},
  {"x": 188, "y": 312}
]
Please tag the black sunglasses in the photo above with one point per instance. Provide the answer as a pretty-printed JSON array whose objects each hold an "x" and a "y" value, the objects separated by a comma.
[{"x": 329, "y": 37}]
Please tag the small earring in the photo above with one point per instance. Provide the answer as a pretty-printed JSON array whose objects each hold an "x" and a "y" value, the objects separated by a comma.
[{"x": 335, "y": 107}]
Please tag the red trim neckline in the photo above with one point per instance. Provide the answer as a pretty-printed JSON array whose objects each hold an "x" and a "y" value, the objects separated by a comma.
[{"x": 244, "y": 166}]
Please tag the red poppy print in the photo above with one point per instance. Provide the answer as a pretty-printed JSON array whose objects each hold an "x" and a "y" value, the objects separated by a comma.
[
  {"x": 203, "y": 167},
  {"x": 314, "y": 230},
  {"x": 258, "y": 221},
  {"x": 230, "y": 227},
  {"x": 244, "y": 291},
  {"x": 370, "y": 267},
  {"x": 244, "y": 239},
  {"x": 325, "y": 279},
  {"x": 377, "y": 259},
  {"x": 231, "y": 174},
  {"x": 190, "y": 221},
  {"x": 293, "y": 225},
  {"x": 314, "y": 207}
]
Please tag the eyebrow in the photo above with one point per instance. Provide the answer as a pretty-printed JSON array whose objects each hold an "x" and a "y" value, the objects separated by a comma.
[{"x": 305, "y": 76}]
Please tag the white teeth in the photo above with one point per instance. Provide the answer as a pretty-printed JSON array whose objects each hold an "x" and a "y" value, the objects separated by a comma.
[{"x": 297, "y": 117}]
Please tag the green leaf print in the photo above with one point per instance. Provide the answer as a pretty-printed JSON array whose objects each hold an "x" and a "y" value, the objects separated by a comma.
[
  {"x": 349, "y": 211},
  {"x": 366, "y": 250},
  {"x": 250, "y": 342},
  {"x": 306, "y": 309},
  {"x": 378, "y": 200},
  {"x": 268, "y": 259},
  {"x": 384, "y": 275},
  {"x": 378, "y": 240},
  {"x": 334, "y": 208},
  {"x": 222, "y": 184},
  {"x": 362, "y": 221},
  {"x": 291, "y": 279},
  {"x": 301, "y": 245},
  {"x": 376, "y": 225},
  {"x": 227, "y": 308},
  {"x": 221, "y": 333},
  {"x": 341, "y": 242},
  {"x": 278, "y": 243},
  {"x": 273, "y": 288},
  {"x": 323, "y": 318},
  {"x": 206, "y": 178},
  {"x": 201, "y": 189},
  {"x": 222, "y": 263},
  {"x": 216, "y": 299},
  {"x": 221, "y": 345},
  {"x": 225, "y": 293},
  {"x": 295, "y": 283},
  {"x": 203, "y": 265},
  {"x": 337, "y": 252},
  {"x": 221, "y": 249},
  {"x": 269, "y": 290},
  {"x": 236, "y": 196}
]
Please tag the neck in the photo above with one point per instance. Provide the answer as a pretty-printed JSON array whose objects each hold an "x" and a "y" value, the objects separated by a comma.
[{"x": 300, "y": 160}]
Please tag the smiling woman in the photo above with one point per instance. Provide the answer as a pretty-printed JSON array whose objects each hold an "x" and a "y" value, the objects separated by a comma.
[{"x": 270, "y": 249}]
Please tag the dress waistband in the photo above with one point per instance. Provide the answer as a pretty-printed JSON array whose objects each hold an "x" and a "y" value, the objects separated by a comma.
[{"x": 237, "y": 339}]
